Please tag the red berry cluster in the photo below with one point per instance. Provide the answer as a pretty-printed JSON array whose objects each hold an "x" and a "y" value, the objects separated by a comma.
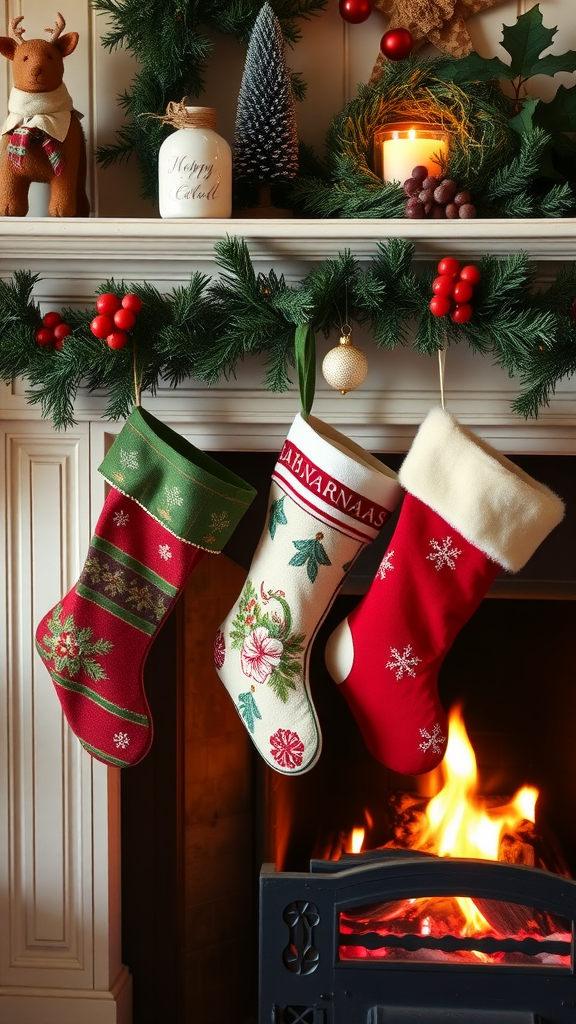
[
  {"x": 435, "y": 197},
  {"x": 115, "y": 318},
  {"x": 54, "y": 330},
  {"x": 453, "y": 290}
]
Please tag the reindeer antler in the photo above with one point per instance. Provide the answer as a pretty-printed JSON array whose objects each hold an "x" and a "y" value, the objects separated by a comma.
[
  {"x": 17, "y": 29},
  {"x": 59, "y": 26}
]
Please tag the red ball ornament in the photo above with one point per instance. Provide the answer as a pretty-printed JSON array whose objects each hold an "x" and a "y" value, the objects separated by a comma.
[
  {"x": 461, "y": 314},
  {"x": 124, "y": 319},
  {"x": 117, "y": 339},
  {"x": 471, "y": 274},
  {"x": 397, "y": 44},
  {"x": 443, "y": 285},
  {"x": 59, "y": 344},
  {"x": 108, "y": 303},
  {"x": 132, "y": 302},
  {"x": 51, "y": 320},
  {"x": 448, "y": 266},
  {"x": 440, "y": 305},
  {"x": 355, "y": 11},
  {"x": 45, "y": 336},
  {"x": 102, "y": 326},
  {"x": 463, "y": 292},
  {"x": 62, "y": 331}
]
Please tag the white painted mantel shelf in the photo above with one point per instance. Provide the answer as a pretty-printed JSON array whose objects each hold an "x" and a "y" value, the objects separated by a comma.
[{"x": 60, "y": 957}]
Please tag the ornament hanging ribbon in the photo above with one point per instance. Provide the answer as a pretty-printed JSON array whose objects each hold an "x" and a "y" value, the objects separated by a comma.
[{"x": 305, "y": 355}]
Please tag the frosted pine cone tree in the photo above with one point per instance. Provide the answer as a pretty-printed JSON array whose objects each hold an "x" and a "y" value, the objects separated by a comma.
[{"x": 265, "y": 133}]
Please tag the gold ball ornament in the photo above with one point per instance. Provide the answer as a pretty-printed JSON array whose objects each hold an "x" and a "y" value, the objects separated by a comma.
[{"x": 345, "y": 367}]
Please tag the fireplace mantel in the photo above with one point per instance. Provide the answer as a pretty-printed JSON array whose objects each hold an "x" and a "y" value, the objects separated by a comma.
[
  {"x": 72, "y": 256},
  {"x": 60, "y": 955}
]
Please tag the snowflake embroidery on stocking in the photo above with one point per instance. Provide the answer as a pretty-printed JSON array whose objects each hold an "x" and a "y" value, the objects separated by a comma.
[
  {"x": 129, "y": 460},
  {"x": 403, "y": 663},
  {"x": 443, "y": 554},
  {"x": 219, "y": 521},
  {"x": 173, "y": 496},
  {"x": 385, "y": 565},
  {"x": 121, "y": 739},
  {"x": 432, "y": 741},
  {"x": 164, "y": 552},
  {"x": 121, "y": 518},
  {"x": 286, "y": 748}
]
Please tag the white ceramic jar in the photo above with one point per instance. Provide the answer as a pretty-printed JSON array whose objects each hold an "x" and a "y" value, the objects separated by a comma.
[{"x": 195, "y": 169}]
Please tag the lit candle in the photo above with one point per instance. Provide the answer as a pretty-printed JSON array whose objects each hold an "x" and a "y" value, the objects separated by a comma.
[{"x": 398, "y": 149}]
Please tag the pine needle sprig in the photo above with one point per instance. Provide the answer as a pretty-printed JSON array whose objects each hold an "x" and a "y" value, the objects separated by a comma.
[
  {"x": 387, "y": 293},
  {"x": 19, "y": 319},
  {"x": 540, "y": 376}
]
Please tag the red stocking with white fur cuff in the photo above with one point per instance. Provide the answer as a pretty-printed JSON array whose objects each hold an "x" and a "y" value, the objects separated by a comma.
[
  {"x": 329, "y": 498},
  {"x": 468, "y": 513}
]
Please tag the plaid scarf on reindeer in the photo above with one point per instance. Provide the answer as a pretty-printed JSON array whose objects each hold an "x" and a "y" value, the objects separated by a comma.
[
  {"x": 38, "y": 117},
  {"x": 22, "y": 138}
]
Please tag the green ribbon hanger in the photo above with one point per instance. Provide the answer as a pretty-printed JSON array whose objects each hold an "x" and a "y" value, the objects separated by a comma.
[{"x": 305, "y": 353}]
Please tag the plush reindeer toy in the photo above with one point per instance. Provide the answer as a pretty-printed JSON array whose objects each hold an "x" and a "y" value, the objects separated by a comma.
[{"x": 41, "y": 138}]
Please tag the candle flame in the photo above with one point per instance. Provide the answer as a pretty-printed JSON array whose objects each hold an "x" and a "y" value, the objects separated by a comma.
[{"x": 412, "y": 133}]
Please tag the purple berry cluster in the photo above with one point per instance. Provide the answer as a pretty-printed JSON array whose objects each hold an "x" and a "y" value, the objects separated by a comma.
[{"x": 436, "y": 197}]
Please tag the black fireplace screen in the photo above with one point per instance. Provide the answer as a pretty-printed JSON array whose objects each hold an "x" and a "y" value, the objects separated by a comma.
[{"x": 349, "y": 943}]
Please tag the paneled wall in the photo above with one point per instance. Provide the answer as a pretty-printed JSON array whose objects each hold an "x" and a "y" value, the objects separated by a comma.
[{"x": 332, "y": 56}]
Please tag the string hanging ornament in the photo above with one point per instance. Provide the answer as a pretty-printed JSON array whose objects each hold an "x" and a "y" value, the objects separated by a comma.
[{"x": 345, "y": 367}]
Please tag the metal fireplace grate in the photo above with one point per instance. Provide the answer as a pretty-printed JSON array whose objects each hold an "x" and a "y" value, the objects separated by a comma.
[{"x": 322, "y": 960}]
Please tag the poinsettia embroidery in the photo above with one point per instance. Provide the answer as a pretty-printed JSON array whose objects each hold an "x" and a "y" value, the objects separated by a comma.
[
  {"x": 269, "y": 650},
  {"x": 286, "y": 748},
  {"x": 70, "y": 647}
]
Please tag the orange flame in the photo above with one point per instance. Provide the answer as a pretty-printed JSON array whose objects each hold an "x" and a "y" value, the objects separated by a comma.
[{"x": 459, "y": 824}]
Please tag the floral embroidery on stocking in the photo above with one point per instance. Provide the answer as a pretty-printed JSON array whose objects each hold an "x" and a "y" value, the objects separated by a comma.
[
  {"x": 269, "y": 650},
  {"x": 286, "y": 748},
  {"x": 310, "y": 553},
  {"x": 70, "y": 646}
]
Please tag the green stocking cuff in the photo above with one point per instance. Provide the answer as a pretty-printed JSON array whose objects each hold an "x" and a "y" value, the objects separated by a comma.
[{"x": 191, "y": 494}]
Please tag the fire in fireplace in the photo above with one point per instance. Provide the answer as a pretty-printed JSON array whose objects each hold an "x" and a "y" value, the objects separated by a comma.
[{"x": 398, "y": 934}]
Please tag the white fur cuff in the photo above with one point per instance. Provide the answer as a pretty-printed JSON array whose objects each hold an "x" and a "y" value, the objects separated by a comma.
[{"x": 490, "y": 501}]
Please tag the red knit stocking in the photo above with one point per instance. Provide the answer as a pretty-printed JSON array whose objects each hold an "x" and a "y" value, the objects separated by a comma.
[{"x": 468, "y": 513}]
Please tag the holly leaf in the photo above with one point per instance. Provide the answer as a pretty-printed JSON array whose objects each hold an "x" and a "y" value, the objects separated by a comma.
[
  {"x": 248, "y": 709},
  {"x": 559, "y": 115},
  {"x": 526, "y": 40},
  {"x": 523, "y": 122},
  {"x": 474, "y": 68},
  {"x": 277, "y": 516}
]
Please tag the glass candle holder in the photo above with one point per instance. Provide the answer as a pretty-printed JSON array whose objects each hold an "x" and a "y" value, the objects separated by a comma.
[{"x": 400, "y": 147}]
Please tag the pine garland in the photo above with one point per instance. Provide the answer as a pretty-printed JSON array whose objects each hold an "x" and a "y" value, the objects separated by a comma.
[
  {"x": 168, "y": 38},
  {"x": 202, "y": 331}
]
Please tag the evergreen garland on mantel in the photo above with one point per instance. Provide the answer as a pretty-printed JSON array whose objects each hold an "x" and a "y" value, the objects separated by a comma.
[{"x": 202, "y": 330}]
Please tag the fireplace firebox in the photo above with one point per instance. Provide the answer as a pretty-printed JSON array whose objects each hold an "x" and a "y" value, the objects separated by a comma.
[{"x": 321, "y": 962}]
